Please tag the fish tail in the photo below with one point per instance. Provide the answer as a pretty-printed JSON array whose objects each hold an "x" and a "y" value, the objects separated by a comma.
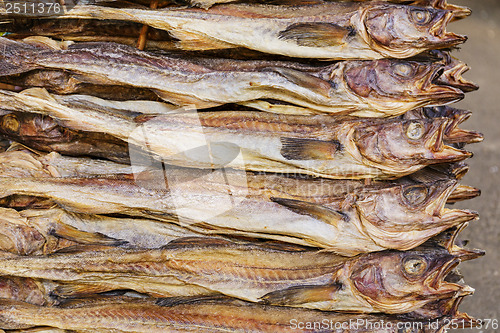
[
  {"x": 9, "y": 309},
  {"x": 14, "y": 57}
]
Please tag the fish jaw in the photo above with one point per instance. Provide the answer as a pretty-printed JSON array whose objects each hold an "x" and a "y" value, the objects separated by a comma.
[
  {"x": 454, "y": 134},
  {"x": 431, "y": 92},
  {"x": 440, "y": 288},
  {"x": 464, "y": 192},
  {"x": 450, "y": 154},
  {"x": 444, "y": 39},
  {"x": 453, "y": 77}
]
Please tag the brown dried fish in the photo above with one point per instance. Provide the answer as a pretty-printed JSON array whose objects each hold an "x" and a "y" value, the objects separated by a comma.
[
  {"x": 200, "y": 314},
  {"x": 361, "y": 88},
  {"x": 252, "y": 141},
  {"x": 298, "y": 278},
  {"x": 325, "y": 30},
  {"x": 343, "y": 216}
]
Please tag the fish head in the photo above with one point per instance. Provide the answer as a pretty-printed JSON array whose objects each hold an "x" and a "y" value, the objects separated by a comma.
[
  {"x": 33, "y": 126},
  {"x": 402, "y": 31},
  {"x": 401, "y": 280},
  {"x": 397, "y": 145},
  {"x": 381, "y": 82},
  {"x": 402, "y": 216}
]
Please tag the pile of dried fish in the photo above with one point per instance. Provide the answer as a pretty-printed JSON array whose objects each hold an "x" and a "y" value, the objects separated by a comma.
[{"x": 309, "y": 193}]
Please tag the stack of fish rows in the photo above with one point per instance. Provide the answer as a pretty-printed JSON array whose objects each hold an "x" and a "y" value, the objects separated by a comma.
[{"x": 241, "y": 167}]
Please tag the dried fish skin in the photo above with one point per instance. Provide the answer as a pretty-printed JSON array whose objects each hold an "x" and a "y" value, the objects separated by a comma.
[
  {"x": 325, "y": 30},
  {"x": 202, "y": 314},
  {"x": 340, "y": 88}
]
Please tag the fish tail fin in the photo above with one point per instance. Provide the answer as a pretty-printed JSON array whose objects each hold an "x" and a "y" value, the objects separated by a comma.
[
  {"x": 8, "y": 314},
  {"x": 14, "y": 57}
]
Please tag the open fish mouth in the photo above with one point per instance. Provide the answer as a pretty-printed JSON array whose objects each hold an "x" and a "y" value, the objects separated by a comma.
[
  {"x": 442, "y": 153},
  {"x": 454, "y": 134},
  {"x": 440, "y": 94},
  {"x": 445, "y": 39},
  {"x": 448, "y": 289},
  {"x": 452, "y": 76},
  {"x": 461, "y": 253}
]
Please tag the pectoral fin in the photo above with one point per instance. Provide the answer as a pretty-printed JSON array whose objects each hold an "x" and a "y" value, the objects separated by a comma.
[
  {"x": 305, "y": 80},
  {"x": 309, "y": 149},
  {"x": 317, "y": 34},
  {"x": 317, "y": 211},
  {"x": 301, "y": 295}
]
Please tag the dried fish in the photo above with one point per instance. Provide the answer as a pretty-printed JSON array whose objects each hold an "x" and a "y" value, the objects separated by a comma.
[
  {"x": 302, "y": 145},
  {"x": 44, "y": 231},
  {"x": 361, "y": 88},
  {"x": 32, "y": 233},
  {"x": 298, "y": 278},
  {"x": 459, "y": 12},
  {"x": 200, "y": 314},
  {"x": 325, "y": 30},
  {"x": 343, "y": 216},
  {"x": 63, "y": 82}
]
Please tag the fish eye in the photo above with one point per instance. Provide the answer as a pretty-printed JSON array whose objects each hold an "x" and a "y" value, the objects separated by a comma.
[
  {"x": 415, "y": 130},
  {"x": 414, "y": 265},
  {"x": 403, "y": 70},
  {"x": 415, "y": 194},
  {"x": 420, "y": 16}
]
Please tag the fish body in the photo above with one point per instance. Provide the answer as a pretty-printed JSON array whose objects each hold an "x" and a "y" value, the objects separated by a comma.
[
  {"x": 205, "y": 315},
  {"x": 264, "y": 142},
  {"x": 346, "y": 87},
  {"x": 318, "y": 280},
  {"x": 342, "y": 216},
  {"x": 324, "y": 30},
  {"x": 326, "y": 201}
]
